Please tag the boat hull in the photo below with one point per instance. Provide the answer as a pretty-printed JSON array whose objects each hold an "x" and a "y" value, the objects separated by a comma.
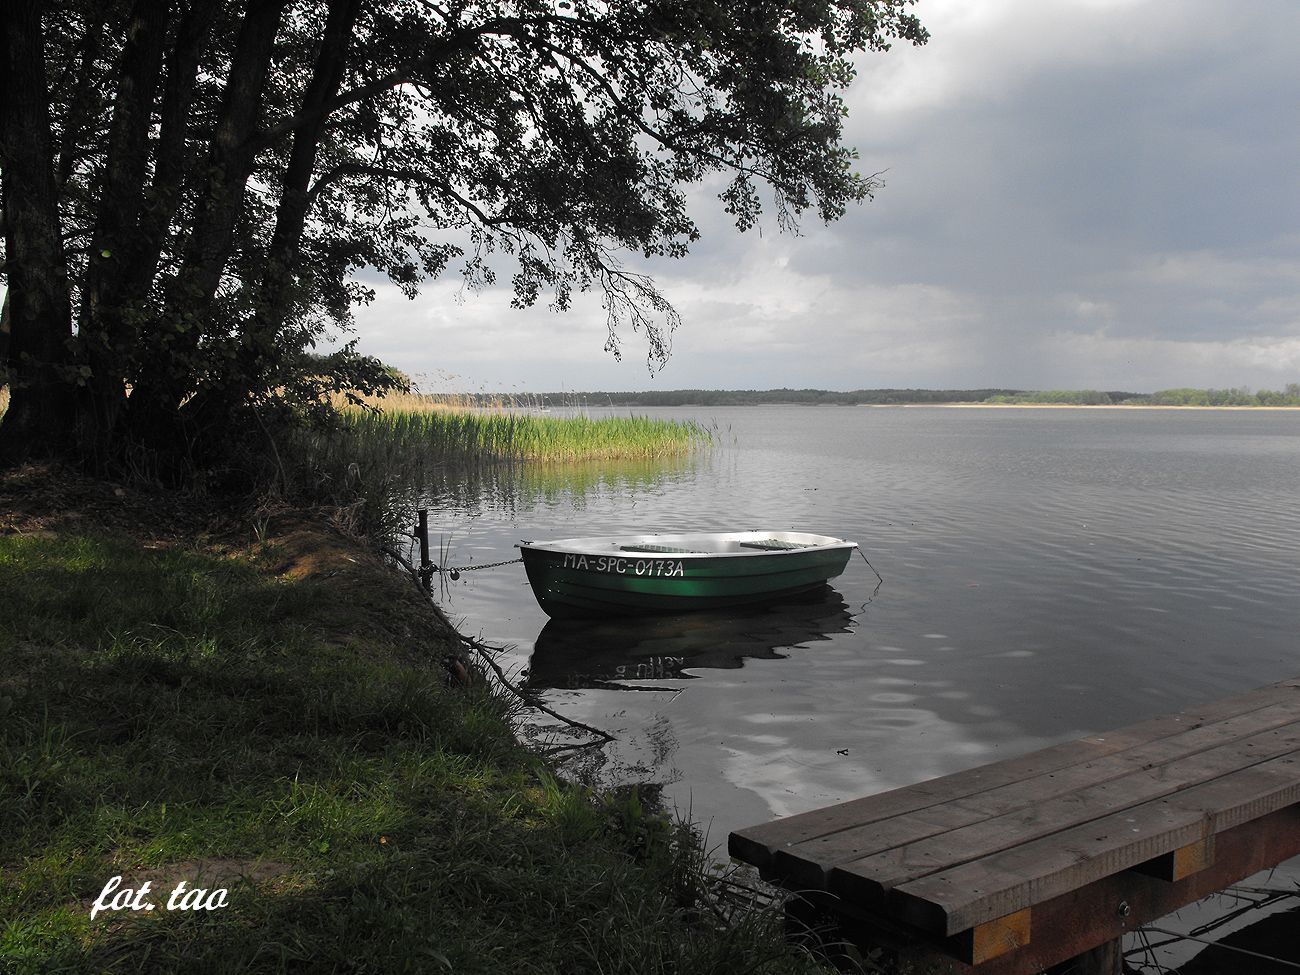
[{"x": 665, "y": 574}]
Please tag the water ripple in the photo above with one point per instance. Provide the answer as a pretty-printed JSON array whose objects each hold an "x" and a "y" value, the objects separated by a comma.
[{"x": 1047, "y": 574}]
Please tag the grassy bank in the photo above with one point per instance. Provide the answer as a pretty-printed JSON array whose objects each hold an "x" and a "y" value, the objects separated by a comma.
[{"x": 271, "y": 718}]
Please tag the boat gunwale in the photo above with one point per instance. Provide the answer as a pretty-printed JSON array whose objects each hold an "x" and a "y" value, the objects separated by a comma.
[{"x": 593, "y": 545}]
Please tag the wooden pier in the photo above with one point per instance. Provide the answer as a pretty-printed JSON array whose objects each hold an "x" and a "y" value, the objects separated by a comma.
[{"x": 1048, "y": 858}]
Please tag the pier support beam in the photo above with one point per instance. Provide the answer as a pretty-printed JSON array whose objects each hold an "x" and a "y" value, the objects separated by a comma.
[{"x": 1105, "y": 959}]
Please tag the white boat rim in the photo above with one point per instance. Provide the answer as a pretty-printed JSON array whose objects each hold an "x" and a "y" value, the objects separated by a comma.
[{"x": 696, "y": 545}]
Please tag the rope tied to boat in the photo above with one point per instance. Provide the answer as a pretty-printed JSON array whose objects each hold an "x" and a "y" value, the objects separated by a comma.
[{"x": 871, "y": 567}]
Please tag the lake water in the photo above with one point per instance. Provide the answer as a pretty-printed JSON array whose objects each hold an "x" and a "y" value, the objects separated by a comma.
[{"x": 1048, "y": 573}]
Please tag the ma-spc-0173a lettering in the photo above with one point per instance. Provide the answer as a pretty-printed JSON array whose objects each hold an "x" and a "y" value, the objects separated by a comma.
[{"x": 661, "y": 568}]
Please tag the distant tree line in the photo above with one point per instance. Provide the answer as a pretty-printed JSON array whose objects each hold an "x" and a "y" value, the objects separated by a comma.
[
  {"x": 1289, "y": 396},
  {"x": 761, "y": 397},
  {"x": 1071, "y": 397}
]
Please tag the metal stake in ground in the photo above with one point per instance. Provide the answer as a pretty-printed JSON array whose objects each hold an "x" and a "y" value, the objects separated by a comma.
[{"x": 422, "y": 533}]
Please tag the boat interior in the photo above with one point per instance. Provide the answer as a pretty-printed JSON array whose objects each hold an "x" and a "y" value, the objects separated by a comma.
[{"x": 700, "y": 544}]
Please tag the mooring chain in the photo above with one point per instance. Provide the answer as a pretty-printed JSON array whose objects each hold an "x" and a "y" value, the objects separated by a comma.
[
  {"x": 455, "y": 572},
  {"x": 428, "y": 567}
]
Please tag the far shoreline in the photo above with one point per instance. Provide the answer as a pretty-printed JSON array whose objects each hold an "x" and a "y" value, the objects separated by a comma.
[
  {"x": 1073, "y": 406},
  {"x": 982, "y": 397}
]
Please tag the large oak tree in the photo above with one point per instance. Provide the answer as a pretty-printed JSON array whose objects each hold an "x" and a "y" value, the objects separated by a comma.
[{"x": 190, "y": 187}]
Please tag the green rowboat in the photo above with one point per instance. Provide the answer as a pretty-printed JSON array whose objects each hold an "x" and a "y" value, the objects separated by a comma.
[{"x": 642, "y": 574}]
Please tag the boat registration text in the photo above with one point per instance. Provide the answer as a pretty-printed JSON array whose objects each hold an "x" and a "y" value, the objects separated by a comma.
[{"x": 666, "y": 568}]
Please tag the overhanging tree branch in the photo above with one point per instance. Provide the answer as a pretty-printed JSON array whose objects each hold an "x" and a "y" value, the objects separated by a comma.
[
  {"x": 280, "y": 160},
  {"x": 409, "y": 73}
]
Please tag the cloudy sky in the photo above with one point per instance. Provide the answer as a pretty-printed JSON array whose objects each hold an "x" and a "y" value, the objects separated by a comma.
[{"x": 1079, "y": 194}]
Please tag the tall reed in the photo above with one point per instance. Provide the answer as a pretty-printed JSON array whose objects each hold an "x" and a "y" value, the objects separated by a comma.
[
  {"x": 458, "y": 436},
  {"x": 377, "y": 463}
]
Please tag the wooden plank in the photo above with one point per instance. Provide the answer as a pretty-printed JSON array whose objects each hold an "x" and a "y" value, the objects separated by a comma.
[
  {"x": 955, "y": 899},
  {"x": 992, "y": 939},
  {"x": 877, "y": 874},
  {"x": 758, "y": 844},
  {"x": 1072, "y": 923},
  {"x": 806, "y": 864}
]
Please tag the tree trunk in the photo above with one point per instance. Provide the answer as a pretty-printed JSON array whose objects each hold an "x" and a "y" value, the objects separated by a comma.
[
  {"x": 164, "y": 193},
  {"x": 277, "y": 291},
  {"x": 276, "y": 294},
  {"x": 82, "y": 98},
  {"x": 282, "y": 258},
  {"x": 170, "y": 368},
  {"x": 105, "y": 337},
  {"x": 4, "y": 340},
  {"x": 39, "y": 418}
]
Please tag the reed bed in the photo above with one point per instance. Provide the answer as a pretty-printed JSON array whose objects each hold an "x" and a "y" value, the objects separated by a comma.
[
  {"x": 378, "y": 463},
  {"x": 415, "y": 401},
  {"x": 459, "y": 435}
]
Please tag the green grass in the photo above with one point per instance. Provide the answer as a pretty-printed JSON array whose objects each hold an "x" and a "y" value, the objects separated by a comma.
[{"x": 160, "y": 708}]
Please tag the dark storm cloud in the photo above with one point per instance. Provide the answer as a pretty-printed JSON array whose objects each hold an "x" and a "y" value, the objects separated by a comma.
[
  {"x": 1095, "y": 175},
  {"x": 1080, "y": 192}
]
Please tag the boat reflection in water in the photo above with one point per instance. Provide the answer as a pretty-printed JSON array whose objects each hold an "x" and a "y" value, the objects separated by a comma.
[{"x": 597, "y": 653}]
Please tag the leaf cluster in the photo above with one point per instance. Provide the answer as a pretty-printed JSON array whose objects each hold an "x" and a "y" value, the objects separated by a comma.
[
  {"x": 557, "y": 133},
  {"x": 543, "y": 139}
]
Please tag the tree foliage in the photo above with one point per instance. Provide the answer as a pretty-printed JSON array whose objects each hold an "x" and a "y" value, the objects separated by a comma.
[{"x": 191, "y": 187}]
